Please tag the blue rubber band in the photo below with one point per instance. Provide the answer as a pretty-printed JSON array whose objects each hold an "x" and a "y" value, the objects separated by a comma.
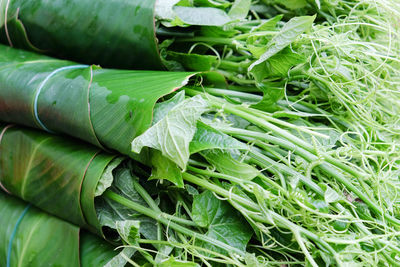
[
  {"x": 14, "y": 233},
  {"x": 35, "y": 109}
]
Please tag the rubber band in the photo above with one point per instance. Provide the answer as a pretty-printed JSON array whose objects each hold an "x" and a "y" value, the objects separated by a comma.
[
  {"x": 35, "y": 109},
  {"x": 14, "y": 232}
]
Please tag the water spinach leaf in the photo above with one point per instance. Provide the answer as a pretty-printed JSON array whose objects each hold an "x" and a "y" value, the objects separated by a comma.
[
  {"x": 288, "y": 34},
  {"x": 222, "y": 221}
]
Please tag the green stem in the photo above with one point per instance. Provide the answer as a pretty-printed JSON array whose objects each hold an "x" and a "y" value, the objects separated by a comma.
[
  {"x": 233, "y": 94},
  {"x": 245, "y": 89},
  {"x": 304, "y": 249},
  {"x": 294, "y": 103},
  {"x": 269, "y": 118},
  {"x": 239, "y": 67},
  {"x": 297, "y": 106},
  {"x": 259, "y": 33},
  {"x": 146, "y": 197},
  {"x": 282, "y": 189},
  {"x": 212, "y": 40},
  {"x": 261, "y": 122},
  {"x": 275, "y": 152},
  {"x": 311, "y": 158},
  {"x": 281, "y": 221},
  {"x": 234, "y": 179},
  {"x": 156, "y": 216},
  {"x": 185, "y": 245},
  {"x": 184, "y": 204},
  {"x": 233, "y": 77},
  {"x": 235, "y": 58},
  {"x": 149, "y": 200},
  {"x": 170, "y": 33},
  {"x": 266, "y": 161},
  {"x": 205, "y": 184}
]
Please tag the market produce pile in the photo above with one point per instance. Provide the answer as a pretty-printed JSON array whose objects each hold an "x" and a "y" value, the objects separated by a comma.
[{"x": 212, "y": 133}]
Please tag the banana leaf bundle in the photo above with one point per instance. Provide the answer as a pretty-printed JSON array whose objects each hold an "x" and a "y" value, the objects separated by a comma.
[
  {"x": 105, "y": 107},
  {"x": 27, "y": 238},
  {"x": 96, "y": 37},
  {"x": 98, "y": 191},
  {"x": 43, "y": 170},
  {"x": 101, "y": 37}
]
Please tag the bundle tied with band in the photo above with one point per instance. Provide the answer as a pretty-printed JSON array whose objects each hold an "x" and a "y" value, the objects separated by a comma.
[
  {"x": 57, "y": 175},
  {"x": 105, "y": 107},
  {"x": 30, "y": 25},
  {"x": 90, "y": 188},
  {"x": 66, "y": 178},
  {"x": 27, "y": 239}
]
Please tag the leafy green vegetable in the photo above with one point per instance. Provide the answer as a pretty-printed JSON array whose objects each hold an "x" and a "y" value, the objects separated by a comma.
[
  {"x": 173, "y": 133},
  {"x": 207, "y": 137},
  {"x": 128, "y": 230},
  {"x": 226, "y": 164},
  {"x": 285, "y": 37},
  {"x": 220, "y": 220},
  {"x": 164, "y": 10},
  {"x": 107, "y": 177},
  {"x": 206, "y": 16},
  {"x": 268, "y": 25},
  {"x": 121, "y": 258},
  {"x": 172, "y": 262},
  {"x": 302, "y": 149},
  {"x": 272, "y": 93},
  {"x": 239, "y": 9},
  {"x": 164, "y": 168},
  {"x": 115, "y": 215},
  {"x": 164, "y": 107}
]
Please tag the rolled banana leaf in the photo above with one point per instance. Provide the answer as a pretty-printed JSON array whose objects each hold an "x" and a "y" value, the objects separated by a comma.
[
  {"x": 57, "y": 175},
  {"x": 94, "y": 251},
  {"x": 30, "y": 237},
  {"x": 105, "y": 107},
  {"x": 118, "y": 33}
]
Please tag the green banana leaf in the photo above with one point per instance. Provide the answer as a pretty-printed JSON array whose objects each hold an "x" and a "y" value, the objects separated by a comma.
[
  {"x": 30, "y": 237},
  {"x": 94, "y": 251},
  {"x": 55, "y": 174},
  {"x": 105, "y": 107},
  {"x": 117, "y": 33},
  {"x": 114, "y": 33},
  {"x": 39, "y": 239}
]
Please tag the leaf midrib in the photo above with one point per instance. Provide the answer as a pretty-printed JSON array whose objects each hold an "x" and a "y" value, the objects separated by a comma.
[
  {"x": 27, "y": 243},
  {"x": 24, "y": 180}
]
